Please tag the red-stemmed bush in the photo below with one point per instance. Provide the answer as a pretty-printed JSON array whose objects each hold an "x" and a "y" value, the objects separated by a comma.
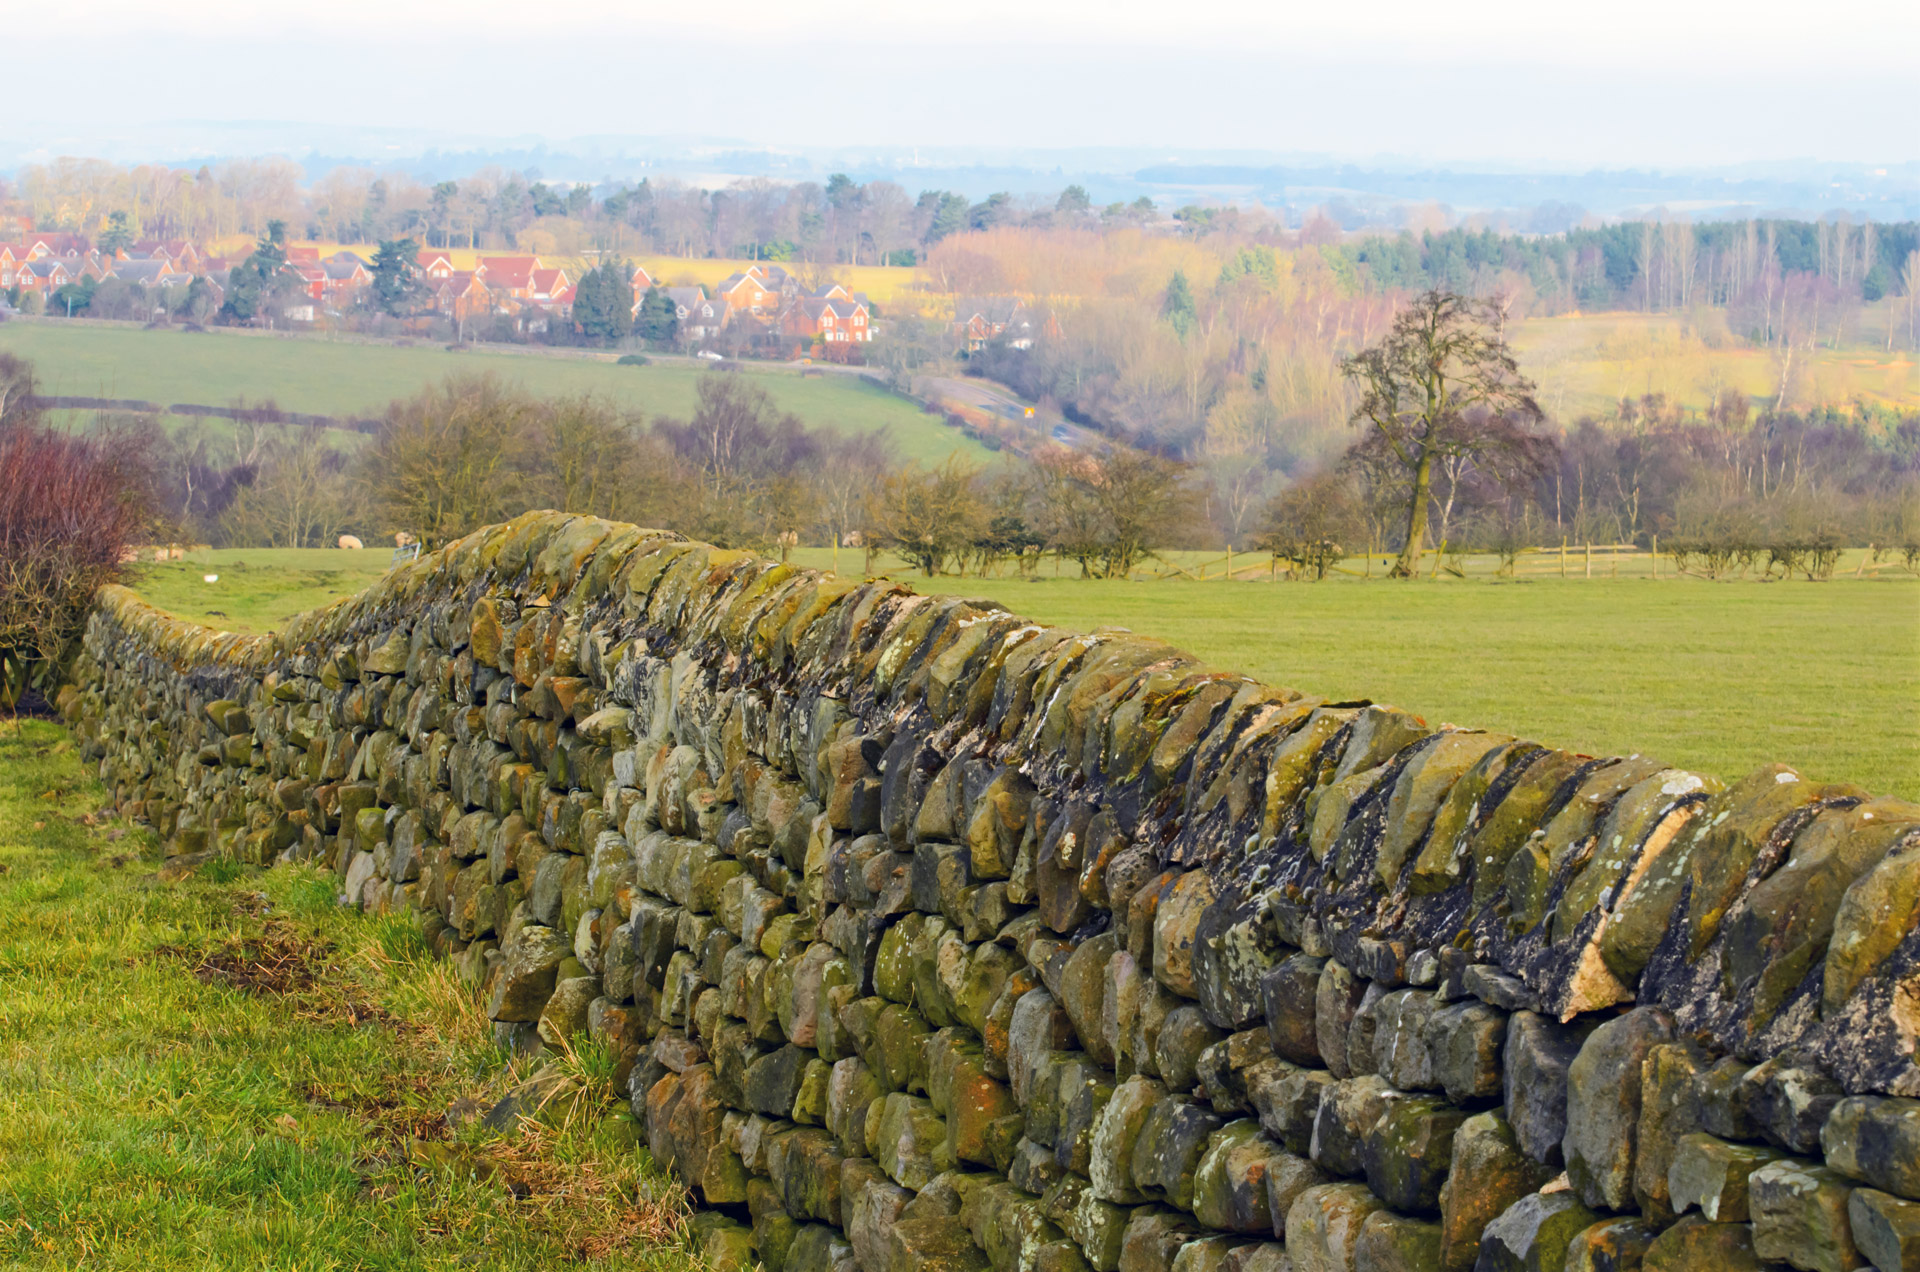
[{"x": 70, "y": 507}]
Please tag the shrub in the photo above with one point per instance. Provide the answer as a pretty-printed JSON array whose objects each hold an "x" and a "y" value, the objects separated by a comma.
[
  {"x": 69, "y": 509},
  {"x": 1307, "y": 522},
  {"x": 633, "y": 360}
]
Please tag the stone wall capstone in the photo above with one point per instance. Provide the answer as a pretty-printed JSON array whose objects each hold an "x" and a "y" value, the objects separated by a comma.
[{"x": 935, "y": 938}]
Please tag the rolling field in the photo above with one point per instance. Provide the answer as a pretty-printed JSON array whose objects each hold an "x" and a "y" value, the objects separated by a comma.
[
  {"x": 230, "y": 1071},
  {"x": 1719, "y": 677},
  {"x": 351, "y": 379},
  {"x": 1585, "y": 363}
]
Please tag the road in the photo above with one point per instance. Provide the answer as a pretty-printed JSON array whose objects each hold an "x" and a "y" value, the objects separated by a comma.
[{"x": 1046, "y": 422}]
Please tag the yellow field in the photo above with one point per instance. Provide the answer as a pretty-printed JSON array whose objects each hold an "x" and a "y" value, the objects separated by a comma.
[{"x": 1585, "y": 363}]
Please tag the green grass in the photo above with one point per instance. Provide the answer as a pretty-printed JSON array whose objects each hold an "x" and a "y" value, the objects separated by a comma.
[
  {"x": 258, "y": 589},
  {"x": 167, "y": 1100},
  {"x": 1715, "y": 676},
  {"x": 341, "y": 378}
]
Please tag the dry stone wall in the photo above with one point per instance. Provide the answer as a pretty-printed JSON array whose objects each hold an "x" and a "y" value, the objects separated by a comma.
[{"x": 934, "y": 938}]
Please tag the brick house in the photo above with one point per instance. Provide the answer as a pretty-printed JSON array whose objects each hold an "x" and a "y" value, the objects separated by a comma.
[
  {"x": 818, "y": 318},
  {"x": 980, "y": 320},
  {"x": 700, "y": 316},
  {"x": 45, "y": 275},
  {"x": 761, "y": 291},
  {"x": 509, "y": 275},
  {"x": 461, "y": 295}
]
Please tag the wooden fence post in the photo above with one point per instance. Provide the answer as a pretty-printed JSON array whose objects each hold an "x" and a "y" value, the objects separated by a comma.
[
  {"x": 1589, "y": 560},
  {"x": 1656, "y": 556}
]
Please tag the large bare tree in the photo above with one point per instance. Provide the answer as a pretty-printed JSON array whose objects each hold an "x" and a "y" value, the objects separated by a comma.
[{"x": 1440, "y": 384}]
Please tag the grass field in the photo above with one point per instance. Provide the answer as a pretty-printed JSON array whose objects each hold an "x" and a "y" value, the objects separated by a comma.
[
  {"x": 230, "y": 1072},
  {"x": 352, "y": 379},
  {"x": 1715, "y": 676},
  {"x": 1585, "y": 363}
]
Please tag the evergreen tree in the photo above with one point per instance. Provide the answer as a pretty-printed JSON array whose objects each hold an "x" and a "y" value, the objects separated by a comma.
[
  {"x": 659, "y": 320},
  {"x": 250, "y": 284},
  {"x": 118, "y": 236},
  {"x": 1178, "y": 308},
  {"x": 603, "y": 303},
  {"x": 395, "y": 276}
]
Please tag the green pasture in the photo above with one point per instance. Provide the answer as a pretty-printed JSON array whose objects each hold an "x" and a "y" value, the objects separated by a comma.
[
  {"x": 327, "y": 377},
  {"x": 257, "y": 589},
  {"x": 229, "y": 1071},
  {"x": 1717, "y": 676}
]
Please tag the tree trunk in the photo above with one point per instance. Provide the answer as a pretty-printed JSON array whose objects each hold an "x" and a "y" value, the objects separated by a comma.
[{"x": 1408, "y": 565}]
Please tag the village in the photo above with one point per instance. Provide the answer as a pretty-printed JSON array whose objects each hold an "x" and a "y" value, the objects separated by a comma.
[{"x": 763, "y": 308}]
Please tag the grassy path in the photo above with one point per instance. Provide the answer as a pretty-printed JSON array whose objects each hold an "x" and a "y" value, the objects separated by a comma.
[{"x": 228, "y": 1071}]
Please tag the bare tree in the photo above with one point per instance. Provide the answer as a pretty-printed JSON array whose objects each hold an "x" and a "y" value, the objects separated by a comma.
[
  {"x": 929, "y": 516},
  {"x": 1439, "y": 385},
  {"x": 451, "y": 459},
  {"x": 1312, "y": 524},
  {"x": 1910, "y": 284}
]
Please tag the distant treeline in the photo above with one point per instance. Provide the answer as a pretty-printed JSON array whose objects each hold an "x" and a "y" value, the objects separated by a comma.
[{"x": 1647, "y": 264}]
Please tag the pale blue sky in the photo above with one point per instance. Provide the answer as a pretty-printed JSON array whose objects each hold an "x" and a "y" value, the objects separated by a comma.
[{"x": 1626, "y": 82}]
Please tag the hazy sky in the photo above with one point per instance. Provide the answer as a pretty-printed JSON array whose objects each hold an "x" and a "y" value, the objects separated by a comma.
[{"x": 1622, "y": 83}]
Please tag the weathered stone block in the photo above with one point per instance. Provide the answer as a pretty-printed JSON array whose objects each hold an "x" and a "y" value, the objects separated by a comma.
[
  {"x": 772, "y": 1081},
  {"x": 565, "y": 1013},
  {"x": 1287, "y": 1100},
  {"x": 807, "y": 1169},
  {"x": 1397, "y": 1243},
  {"x": 1183, "y": 1036},
  {"x": 1876, "y": 1140},
  {"x": 1712, "y": 1174},
  {"x": 1534, "y": 1233},
  {"x": 1100, "y": 1229},
  {"x": 1039, "y": 1028},
  {"x": 1230, "y": 1184},
  {"x": 1800, "y": 1216},
  {"x": 1336, "y": 999},
  {"x": 1488, "y": 1173},
  {"x": 869, "y": 1205},
  {"x": 1167, "y": 1153},
  {"x": 910, "y": 1140},
  {"x": 1466, "y": 1040},
  {"x": 933, "y": 1244},
  {"x": 1081, "y": 1097},
  {"x": 1111, "y": 1166},
  {"x": 1695, "y": 1245},
  {"x": 1792, "y": 1102},
  {"x": 1408, "y": 1150},
  {"x": 529, "y": 965},
  {"x": 1540, "y": 1051},
  {"x": 1236, "y": 947},
  {"x": 1401, "y": 1051},
  {"x": 1153, "y": 1237},
  {"x": 1264, "y": 1256},
  {"x": 1612, "y": 1245},
  {"x": 1289, "y": 994},
  {"x": 1176, "y": 924},
  {"x": 1669, "y": 1110},
  {"x": 1324, "y": 1224},
  {"x": 1885, "y": 1228},
  {"x": 1347, "y": 1112},
  {"x": 1603, "y": 1105}
]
